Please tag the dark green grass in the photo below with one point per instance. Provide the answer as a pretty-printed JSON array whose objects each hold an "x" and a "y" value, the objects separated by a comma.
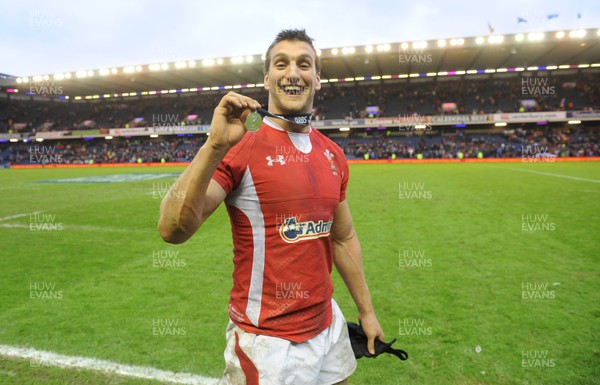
[{"x": 469, "y": 296}]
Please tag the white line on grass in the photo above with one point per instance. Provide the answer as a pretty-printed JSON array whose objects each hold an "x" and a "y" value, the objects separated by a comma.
[
  {"x": 557, "y": 175},
  {"x": 59, "y": 360},
  {"x": 19, "y": 215}
]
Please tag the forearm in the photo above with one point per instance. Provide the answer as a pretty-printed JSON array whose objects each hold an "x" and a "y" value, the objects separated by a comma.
[
  {"x": 348, "y": 261},
  {"x": 181, "y": 210}
]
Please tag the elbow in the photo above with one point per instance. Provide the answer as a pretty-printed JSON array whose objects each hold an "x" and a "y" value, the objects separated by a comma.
[{"x": 172, "y": 234}]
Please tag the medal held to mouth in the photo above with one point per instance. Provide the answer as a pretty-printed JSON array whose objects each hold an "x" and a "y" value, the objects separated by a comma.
[{"x": 253, "y": 121}]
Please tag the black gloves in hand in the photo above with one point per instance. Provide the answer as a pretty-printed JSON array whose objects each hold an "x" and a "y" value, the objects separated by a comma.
[{"x": 358, "y": 339}]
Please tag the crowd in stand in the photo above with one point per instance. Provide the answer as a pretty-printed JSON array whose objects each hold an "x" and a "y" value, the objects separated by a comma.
[
  {"x": 512, "y": 143},
  {"x": 581, "y": 142},
  {"x": 421, "y": 96}
]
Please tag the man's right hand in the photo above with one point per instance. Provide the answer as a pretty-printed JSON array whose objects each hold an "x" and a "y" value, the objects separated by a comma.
[{"x": 228, "y": 123}]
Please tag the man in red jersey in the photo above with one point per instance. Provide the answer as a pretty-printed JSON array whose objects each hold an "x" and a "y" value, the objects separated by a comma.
[{"x": 284, "y": 187}]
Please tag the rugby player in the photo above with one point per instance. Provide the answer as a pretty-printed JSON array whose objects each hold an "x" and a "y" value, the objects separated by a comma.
[{"x": 284, "y": 187}]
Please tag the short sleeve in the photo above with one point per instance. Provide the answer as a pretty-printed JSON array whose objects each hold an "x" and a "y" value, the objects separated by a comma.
[{"x": 230, "y": 171}]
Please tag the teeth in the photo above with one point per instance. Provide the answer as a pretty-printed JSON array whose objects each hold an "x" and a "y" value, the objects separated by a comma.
[{"x": 293, "y": 90}]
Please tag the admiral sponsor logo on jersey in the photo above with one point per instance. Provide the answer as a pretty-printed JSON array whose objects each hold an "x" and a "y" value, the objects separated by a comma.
[{"x": 293, "y": 231}]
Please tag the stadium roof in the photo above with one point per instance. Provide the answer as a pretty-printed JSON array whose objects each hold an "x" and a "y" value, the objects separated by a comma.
[{"x": 478, "y": 54}]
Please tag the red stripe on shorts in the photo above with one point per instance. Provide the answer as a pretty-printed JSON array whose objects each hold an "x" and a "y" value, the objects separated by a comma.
[{"x": 248, "y": 367}]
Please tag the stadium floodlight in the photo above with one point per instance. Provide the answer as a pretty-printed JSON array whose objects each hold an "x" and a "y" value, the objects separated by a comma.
[
  {"x": 519, "y": 69},
  {"x": 180, "y": 64},
  {"x": 220, "y": 61},
  {"x": 114, "y": 71},
  {"x": 138, "y": 68},
  {"x": 595, "y": 65},
  {"x": 404, "y": 46},
  {"x": 104, "y": 72},
  {"x": 495, "y": 39},
  {"x": 560, "y": 34},
  {"x": 59, "y": 76},
  {"x": 249, "y": 59},
  {"x": 334, "y": 51},
  {"x": 579, "y": 33},
  {"x": 419, "y": 45},
  {"x": 154, "y": 136},
  {"x": 402, "y": 76},
  {"x": 461, "y": 72},
  {"x": 45, "y": 77},
  {"x": 19, "y": 81},
  {"x": 108, "y": 137},
  {"x": 164, "y": 66},
  {"x": 500, "y": 124},
  {"x": 383, "y": 47},
  {"x": 532, "y": 68},
  {"x": 13, "y": 140},
  {"x": 348, "y": 50},
  {"x": 191, "y": 63},
  {"x": 583, "y": 66},
  {"x": 420, "y": 126},
  {"x": 535, "y": 36},
  {"x": 574, "y": 122},
  {"x": 369, "y": 49},
  {"x": 319, "y": 52},
  {"x": 519, "y": 37},
  {"x": 564, "y": 66},
  {"x": 106, "y": 96},
  {"x": 455, "y": 42},
  {"x": 193, "y": 89},
  {"x": 348, "y": 79},
  {"x": 39, "y": 139},
  {"x": 501, "y": 70},
  {"x": 237, "y": 60},
  {"x": 335, "y": 80},
  {"x": 414, "y": 75},
  {"x": 154, "y": 67},
  {"x": 80, "y": 74},
  {"x": 90, "y": 73},
  {"x": 67, "y": 97},
  {"x": 471, "y": 72},
  {"x": 442, "y": 73},
  {"x": 359, "y": 78},
  {"x": 208, "y": 62},
  {"x": 490, "y": 71},
  {"x": 344, "y": 128},
  {"x": 129, "y": 69},
  {"x": 479, "y": 40},
  {"x": 431, "y": 74},
  {"x": 441, "y": 43}
]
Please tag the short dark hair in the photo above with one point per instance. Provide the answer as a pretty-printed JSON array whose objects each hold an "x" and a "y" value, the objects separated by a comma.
[{"x": 292, "y": 35}]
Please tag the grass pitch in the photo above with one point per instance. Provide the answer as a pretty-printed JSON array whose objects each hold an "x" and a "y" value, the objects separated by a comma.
[{"x": 486, "y": 274}]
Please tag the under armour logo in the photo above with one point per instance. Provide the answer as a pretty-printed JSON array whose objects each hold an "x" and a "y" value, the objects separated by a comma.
[{"x": 280, "y": 160}]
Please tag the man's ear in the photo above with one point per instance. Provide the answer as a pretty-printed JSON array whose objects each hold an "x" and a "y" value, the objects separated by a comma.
[
  {"x": 266, "y": 82},
  {"x": 318, "y": 83}
]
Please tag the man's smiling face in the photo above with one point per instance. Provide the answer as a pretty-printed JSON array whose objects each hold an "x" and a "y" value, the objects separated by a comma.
[{"x": 292, "y": 78}]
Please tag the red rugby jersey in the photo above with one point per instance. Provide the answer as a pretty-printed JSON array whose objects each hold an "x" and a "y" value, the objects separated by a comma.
[{"x": 282, "y": 191}]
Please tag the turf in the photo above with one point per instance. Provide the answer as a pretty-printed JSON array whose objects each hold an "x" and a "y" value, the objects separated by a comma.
[{"x": 448, "y": 268}]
